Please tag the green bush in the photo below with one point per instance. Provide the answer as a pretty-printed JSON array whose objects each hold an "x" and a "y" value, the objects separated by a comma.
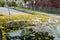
[
  {"x": 2, "y": 3},
  {"x": 12, "y": 4}
]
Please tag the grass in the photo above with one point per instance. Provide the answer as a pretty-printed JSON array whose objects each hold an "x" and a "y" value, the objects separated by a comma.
[
  {"x": 33, "y": 12},
  {"x": 38, "y": 19},
  {"x": 4, "y": 20},
  {"x": 49, "y": 11},
  {"x": 52, "y": 10}
]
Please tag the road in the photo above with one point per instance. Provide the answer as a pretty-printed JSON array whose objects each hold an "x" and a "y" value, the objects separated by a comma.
[{"x": 12, "y": 11}]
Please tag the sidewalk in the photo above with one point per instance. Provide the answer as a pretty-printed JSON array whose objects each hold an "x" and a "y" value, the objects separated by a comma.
[{"x": 36, "y": 12}]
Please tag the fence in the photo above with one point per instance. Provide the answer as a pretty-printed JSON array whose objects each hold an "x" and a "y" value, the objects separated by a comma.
[{"x": 44, "y": 9}]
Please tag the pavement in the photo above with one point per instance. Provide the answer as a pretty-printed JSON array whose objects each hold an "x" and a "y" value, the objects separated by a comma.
[
  {"x": 6, "y": 11},
  {"x": 36, "y": 12},
  {"x": 12, "y": 11}
]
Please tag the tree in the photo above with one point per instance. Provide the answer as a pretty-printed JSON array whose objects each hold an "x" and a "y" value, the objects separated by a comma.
[
  {"x": 55, "y": 3},
  {"x": 26, "y": 1},
  {"x": 2, "y": 3}
]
